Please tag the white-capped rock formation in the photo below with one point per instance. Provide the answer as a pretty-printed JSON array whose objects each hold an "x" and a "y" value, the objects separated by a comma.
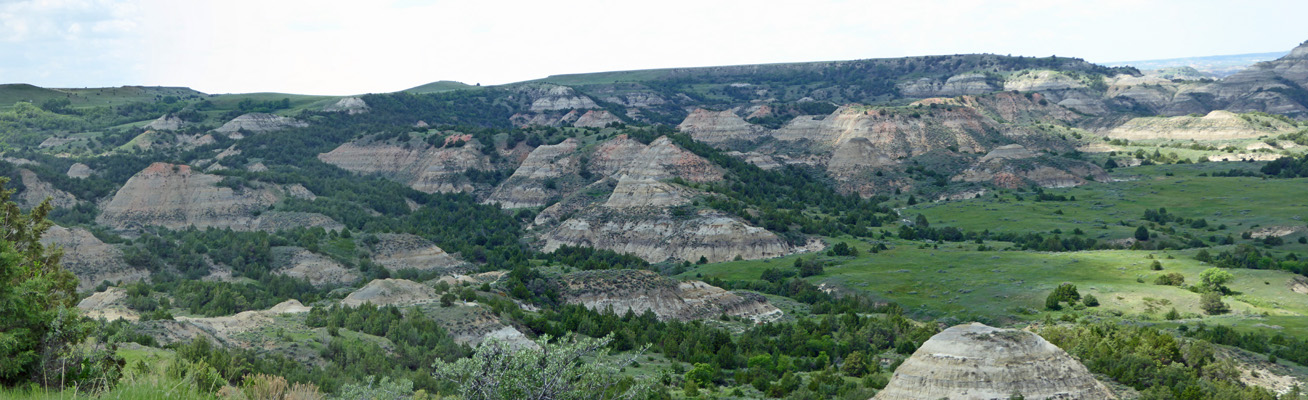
[
  {"x": 259, "y": 123},
  {"x": 391, "y": 292},
  {"x": 166, "y": 122},
  {"x": 79, "y": 170},
  {"x": 977, "y": 362},
  {"x": 348, "y": 105}
]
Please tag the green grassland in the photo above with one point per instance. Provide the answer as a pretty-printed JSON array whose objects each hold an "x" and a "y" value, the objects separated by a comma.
[
  {"x": 957, "y": 281},
  {"x": 441, "y": 86},
  {"x": 1240, "y": 203},
  {"x": 91, "y": 97}
]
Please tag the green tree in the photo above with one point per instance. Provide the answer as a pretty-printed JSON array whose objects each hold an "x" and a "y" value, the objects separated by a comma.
[
  {"x": 855, "y": 364},
  {"x": 1141, "y": 234},
  {"x": 1211, "y": 303},
  {"x": 570, "y": 368},
  {"x": 1216, "y": 278},
  {"x": 38, "y": 321}
]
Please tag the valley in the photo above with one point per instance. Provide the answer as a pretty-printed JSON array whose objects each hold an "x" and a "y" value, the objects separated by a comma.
[{"x": 805, "y": 230}]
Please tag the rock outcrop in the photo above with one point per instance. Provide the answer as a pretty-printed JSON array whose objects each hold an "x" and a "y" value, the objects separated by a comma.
[
  {"x": 663, "y": 159},
  {"x": 175, "y": 197},
  {"x": 1013, "y": 166},
  {"x": 348, "y": 105},
  {"x": 167, "y": 122},
  {"x": 546, "y": 97},
  {"x": 640, "y": 291},
  {"x": 404, "y": 251},
  {"x": 227, "y": 328},
  {"x": 896, "y": 134},
  {"x": 643, "y": 214},
  {"x": 974, "y": 361},
  {"x": 719, "y": 127},
  {"x": 609, "y": 157},
  {"x": 108, "y": 305},
  {"x": 79, "y": 170},
  {"x": 957, "y": 85},
  {"x": 595, "y": 119},
  {"x": 391, "y": 292},
  {"x": 658, "y": 234},
  {"x": 259, "y": 123},
  {"x": 317, "y": 269},
  {"x": 1217, "y": 125},
  {"x": 423, "y": 167},
  {"x": 90, "y": 259},
  {"x": 539, "y": 178},
  {"x": 36, "y": 190}
]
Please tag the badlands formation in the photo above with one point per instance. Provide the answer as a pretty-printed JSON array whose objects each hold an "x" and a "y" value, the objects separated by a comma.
[
  {"x": 640, "y": 291},
  {"x": 175, "y": 197},
  {"x": 977, "y": 362}
]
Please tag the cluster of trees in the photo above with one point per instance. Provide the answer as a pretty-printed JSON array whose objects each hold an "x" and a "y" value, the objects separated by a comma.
[
  {"x": 41, "y": 332},
  {"x": 783, "y": 200},
  {"x": 419, "y": 340},
  {"x": 1067, "y": 293},
  {"x": 1287, "y": 167},
  {"x": 765, "y": 356},
  {"x": 1276, "y": 345},
  {"x": 1153, "y": 362},
  {"x": 1245, "y": 255},
  {"x": 589, "y": 258}
]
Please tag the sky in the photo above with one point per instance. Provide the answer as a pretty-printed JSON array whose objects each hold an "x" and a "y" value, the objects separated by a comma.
[{"x": 370, "y": 46}]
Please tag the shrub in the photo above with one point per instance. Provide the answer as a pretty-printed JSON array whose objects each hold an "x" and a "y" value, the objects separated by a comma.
[
  {"x": 1211, "y": 303},
  {"x": 1170, "y": 279}
]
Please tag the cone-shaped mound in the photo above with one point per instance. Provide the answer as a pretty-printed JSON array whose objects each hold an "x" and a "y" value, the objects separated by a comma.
[{"x": 975, "y": 361}]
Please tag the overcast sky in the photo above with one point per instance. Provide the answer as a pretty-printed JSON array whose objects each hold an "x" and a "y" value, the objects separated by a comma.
[{"x": 350, "y": 47}]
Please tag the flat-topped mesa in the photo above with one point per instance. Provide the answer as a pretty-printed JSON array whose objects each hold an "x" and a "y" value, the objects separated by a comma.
[
  {"x": 719, "y": 127},
  {"x": 167, "y": 122},
  {"x": 537, "y": 180},
  {"x": 348, "y": 105},
  {"x": 259, "y": 123},
  {"x": 1217, "y": 125},
  {"x": 978, "y": 362},
  {"x": 421, "y": 166},
  {"x": 176, "y": 196},
  {"x": 640, "y": 291}
]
